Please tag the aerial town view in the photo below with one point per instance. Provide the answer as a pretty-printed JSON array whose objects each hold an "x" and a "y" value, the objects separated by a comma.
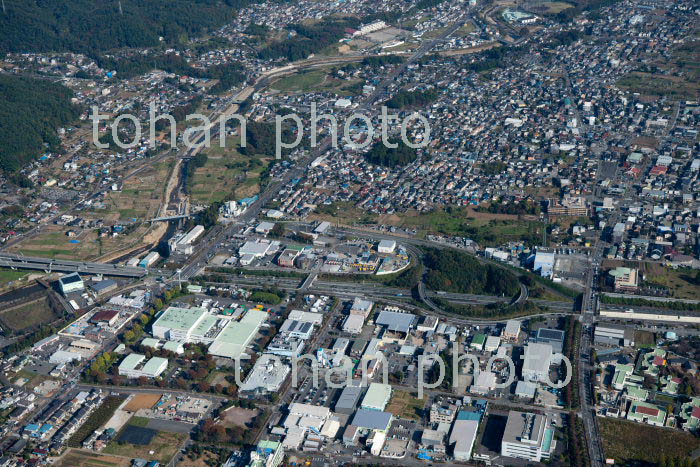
[{"x": 349, "y": 232}]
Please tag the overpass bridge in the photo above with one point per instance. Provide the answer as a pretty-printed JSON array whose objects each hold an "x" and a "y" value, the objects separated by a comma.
[{"x": 49, "y": 265}]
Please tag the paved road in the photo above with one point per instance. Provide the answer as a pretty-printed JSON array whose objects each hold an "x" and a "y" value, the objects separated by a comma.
[{"x": 59, "y": 265}]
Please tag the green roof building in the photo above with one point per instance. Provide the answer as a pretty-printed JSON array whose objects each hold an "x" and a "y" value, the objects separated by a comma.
[
  {"x": 690, "y": 413},
  {"x": 478, "y": 341},
  {"x": 235, "y": 338},
  {"x": 644, "y": 412},
  {"x": 621, "y": 372},
  {"x": 637, "y": 394}
]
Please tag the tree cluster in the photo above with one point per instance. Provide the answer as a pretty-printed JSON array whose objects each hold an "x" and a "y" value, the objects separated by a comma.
[
  {"x": 571, "y": 344},
  {"x": 381, "y": 154},
  {"x": 519, "y": 208},
  {"x": 93, "y": 26},
  {"x": 415, "y": 98},
  {"x": 31, "y": 111},
  {"x": 454, "y": 271}
]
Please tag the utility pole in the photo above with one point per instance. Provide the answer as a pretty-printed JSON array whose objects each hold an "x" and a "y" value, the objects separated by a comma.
[
  {"x": 4, "y": 11},
  {"x": 121, "y": 12}
]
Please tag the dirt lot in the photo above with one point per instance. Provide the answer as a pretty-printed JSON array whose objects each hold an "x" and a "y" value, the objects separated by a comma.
[
  {"x": 142, "y": 401},
  {"x": 80, "y": 458},
  {"x": 236, "y": 416},
  {"x": 403, "y": 404}
]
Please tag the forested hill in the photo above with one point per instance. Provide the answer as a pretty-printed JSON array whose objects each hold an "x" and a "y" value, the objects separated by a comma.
[
  {"x": 94, "y": 26},
  {"x": 455, "y": 271},
  {"x": 31, "y": 110}
]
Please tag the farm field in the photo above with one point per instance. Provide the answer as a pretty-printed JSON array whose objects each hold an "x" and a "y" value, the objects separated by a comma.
[
  {"x": 648, "y": 84},
  {"x": 226, "y": 174},
  {"x": 140, "y": 198},
  {"x": 634, "y": 443},
  {"x": 28, "y": 315},
  {"x": 484, "y": 228}
]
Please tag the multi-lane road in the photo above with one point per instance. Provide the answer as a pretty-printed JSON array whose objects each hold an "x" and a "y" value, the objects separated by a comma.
[{"x": 19, "y": 261}]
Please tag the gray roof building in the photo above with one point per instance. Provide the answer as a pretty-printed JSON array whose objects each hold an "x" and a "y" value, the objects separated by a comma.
[
  {"x": 347, "y": 402},
  {"x": 395, "y": 321},
  {"x": 372, "y": 420}
]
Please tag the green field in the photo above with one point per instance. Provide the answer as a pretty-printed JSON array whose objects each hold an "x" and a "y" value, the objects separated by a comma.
[
  {"x": 681, "y": 282},
  {"x": 164, "y": 446},
  {"x": 486, "y": 230},
  {"x": 648, "y": 84},
  {"x": 432, "y": 34},
  {"x": 300, "y": 82},
  {"x": 318, "y": 80},
  {"x": 84, "y": 458},
  {"x": 552, "y": 8},
  {"x": 630, "y": 442},
  {"x": 139, "y": 421},
  {"x": 27, "y": 316},
  {"x": 465, "y": 30},
  {"x": 8, "y": 275},
  {"x": 345, "y": 212},
  {"x": 226, "y": 174}
]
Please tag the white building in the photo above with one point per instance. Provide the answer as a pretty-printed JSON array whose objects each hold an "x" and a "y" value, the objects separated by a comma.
[
  {"x": 185, "y": 243},
  {"x": 463, "y": 435},
  {"x": 492, "y": 343},
  {"x": 183, "y": 324},
  {"x": 386, "y": 246},
  {"x": 544, "y": 264},
  {"x": 264, "y": 227},
  {"x": 64, "y": 356},
  {"x": 322, "y": 227},
  {"x": 255, "y": 249},
  {"x": 71, "y": 283},
  {"x": 377, "y": 397},
  {"x": 267, "y": 375},
  {"x": 306, "y": 317},
  {"x": 512, "y": 330},
  {"x": 528, "y": 436},
  {"x": 485, "y": 382},
  {"x": 369, "y": 28},
  {"x": 149, "y": 260},
  {"x": 298, "y": 329},
  {"x": 361, "y": 307},
  {"x": 538, "y": 358},
  {"x": 135, "y": 366},
  {"x": 353, "y": 324}
]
